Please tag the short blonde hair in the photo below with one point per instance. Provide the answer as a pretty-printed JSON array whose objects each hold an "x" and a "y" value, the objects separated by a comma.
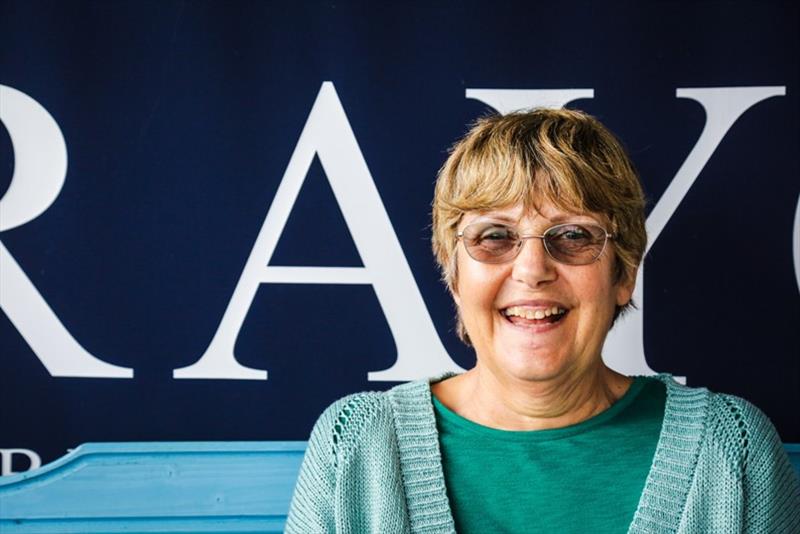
[{"x": 560, "y": 156}]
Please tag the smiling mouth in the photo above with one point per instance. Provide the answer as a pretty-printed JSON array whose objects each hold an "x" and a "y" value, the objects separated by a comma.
[{"x": 525, "y": 316}]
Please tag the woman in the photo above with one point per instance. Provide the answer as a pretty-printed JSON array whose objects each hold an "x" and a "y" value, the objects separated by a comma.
[{"x": 538, "y": 227}]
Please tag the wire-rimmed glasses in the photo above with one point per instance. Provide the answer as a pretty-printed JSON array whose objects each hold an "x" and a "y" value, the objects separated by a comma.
[{"x": 567, "y": 243}]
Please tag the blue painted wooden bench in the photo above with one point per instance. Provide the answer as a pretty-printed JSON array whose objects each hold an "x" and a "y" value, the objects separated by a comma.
[
  {"x": 190, "y": 487},
  {"x": 234, "y": 487}
]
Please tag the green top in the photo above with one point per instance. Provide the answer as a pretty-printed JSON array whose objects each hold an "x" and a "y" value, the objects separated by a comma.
[{"x": 584, "y": 477}]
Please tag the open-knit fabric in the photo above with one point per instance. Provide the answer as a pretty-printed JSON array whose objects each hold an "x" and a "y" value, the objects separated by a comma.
[{"x": 373, "y": 465}]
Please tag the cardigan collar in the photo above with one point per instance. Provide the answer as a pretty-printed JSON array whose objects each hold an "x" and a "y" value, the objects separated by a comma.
[{"x": 662, "y": 501}]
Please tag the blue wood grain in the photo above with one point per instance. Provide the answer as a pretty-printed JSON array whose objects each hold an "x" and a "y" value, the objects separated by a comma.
[
  {"x": 192, "y": 487},
  {"x": 156, "y": 487}
]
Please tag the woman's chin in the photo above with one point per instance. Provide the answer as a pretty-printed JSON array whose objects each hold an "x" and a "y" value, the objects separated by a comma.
[{"x": 531, "y": 364}]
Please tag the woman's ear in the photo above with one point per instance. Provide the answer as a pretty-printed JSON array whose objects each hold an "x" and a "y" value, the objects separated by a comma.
[
  {"x": 625, "y": 288},
  {"x": 452, "y": 283}
]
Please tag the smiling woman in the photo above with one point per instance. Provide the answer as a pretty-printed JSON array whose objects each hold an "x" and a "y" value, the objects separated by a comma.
[
  {"x": 504, "y": 306},
  {"x": 538, "y": 227}
]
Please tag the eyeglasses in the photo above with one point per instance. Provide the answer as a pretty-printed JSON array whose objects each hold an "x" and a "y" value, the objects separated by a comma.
[{"x": 569, "y": 243}]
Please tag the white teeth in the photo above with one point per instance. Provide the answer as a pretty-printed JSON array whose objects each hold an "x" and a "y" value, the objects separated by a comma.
[
  {"x": 529, "y": 313},
  {"x": 551, "y": 311}
]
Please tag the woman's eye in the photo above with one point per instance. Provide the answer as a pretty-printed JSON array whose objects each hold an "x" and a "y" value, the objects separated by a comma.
[
  {"x": 575, "y": 234},
  {"x": 571, "y": 233},
  {"x": 495, "y": 234}
]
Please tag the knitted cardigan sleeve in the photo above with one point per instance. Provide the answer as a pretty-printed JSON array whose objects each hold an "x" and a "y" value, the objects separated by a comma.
[
  {"x": 312, "y": 508},
  {"x": 770, "y": 487},
  {"x": 317, "y": 505}
]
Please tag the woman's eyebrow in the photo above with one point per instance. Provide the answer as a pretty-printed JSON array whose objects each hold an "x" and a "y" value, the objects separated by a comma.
[
  {"x": 571, "y": 217},
  {"x": 498, "y": 217},
  {"x": 557, "y": 218}
]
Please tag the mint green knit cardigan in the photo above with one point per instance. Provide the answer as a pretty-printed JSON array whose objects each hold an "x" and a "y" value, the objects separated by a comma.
[{"x": 373, "y": 465}]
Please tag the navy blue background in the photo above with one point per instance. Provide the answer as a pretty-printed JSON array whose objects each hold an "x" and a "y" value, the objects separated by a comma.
[{"x": 180, "y": 119}]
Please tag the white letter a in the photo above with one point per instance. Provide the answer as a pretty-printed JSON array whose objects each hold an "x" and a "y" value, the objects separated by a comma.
[{"x": 327, "y": 133}]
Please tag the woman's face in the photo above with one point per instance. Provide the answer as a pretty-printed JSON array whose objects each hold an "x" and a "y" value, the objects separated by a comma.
[{"x": 497, "y": 302}]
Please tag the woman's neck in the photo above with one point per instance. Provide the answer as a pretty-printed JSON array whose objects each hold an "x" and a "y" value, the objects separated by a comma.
[{"x": 512, "y": 404}]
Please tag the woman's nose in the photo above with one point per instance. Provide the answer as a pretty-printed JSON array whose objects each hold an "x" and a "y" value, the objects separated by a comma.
[{"x": 533, "y": 265}]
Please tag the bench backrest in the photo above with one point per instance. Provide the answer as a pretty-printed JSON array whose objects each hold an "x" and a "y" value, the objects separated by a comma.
[{"x": 162, "y": 487}]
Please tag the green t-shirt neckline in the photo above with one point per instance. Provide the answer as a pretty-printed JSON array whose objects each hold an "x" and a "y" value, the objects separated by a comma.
[{"x": 546, "y": 434}]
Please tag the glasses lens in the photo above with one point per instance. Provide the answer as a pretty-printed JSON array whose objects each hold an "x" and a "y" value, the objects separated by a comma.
[
  {"x": 490, "y": 243},
  {"x": 575, "y": 244}
]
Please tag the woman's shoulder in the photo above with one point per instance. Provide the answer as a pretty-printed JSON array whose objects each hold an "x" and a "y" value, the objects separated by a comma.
[
  {"x": 345, "y": 416},
  {"x": 366, "y": 415},
  {"x": 741, "y": 436},
  {"x": 741, "y": 428},
  {"x": 734, "y": 452},
  {"x": 730, "y": 423}
]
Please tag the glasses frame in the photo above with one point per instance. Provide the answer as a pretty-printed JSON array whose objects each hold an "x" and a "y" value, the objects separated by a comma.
[{"x": 522, "y": 237}]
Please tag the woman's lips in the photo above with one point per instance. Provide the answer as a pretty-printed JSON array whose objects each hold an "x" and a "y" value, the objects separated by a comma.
[
  {"x": 526, "y": 312},
  {"x": 537, "y": 320},
  {"x": 534, "y": 304}
]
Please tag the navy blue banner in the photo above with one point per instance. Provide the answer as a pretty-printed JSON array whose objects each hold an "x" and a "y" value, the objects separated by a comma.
[{"x": 215, "y": 215}]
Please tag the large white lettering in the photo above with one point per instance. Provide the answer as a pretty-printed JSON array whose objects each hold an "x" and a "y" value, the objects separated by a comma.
[
  {"x": 327, "y": 134},
  {"x": 7, "y": 460},
  {"x": 796, "y": 243},
  {"x": 508, "y": 100},
  {"x": 624, "y": 348},
  {"x": 40, "y": 167}
]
